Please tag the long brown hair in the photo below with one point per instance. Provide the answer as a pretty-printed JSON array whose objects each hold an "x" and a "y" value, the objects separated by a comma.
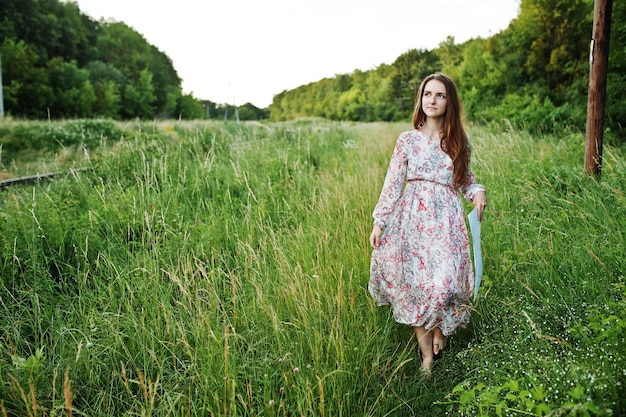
[{"x": 455, "y": 144}]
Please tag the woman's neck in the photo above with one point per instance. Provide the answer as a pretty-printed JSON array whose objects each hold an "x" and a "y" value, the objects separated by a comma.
[{"x": 432, "y": 127}]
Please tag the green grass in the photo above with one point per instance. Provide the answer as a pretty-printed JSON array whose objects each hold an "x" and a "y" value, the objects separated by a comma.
[{"x": 221, "y": 269}]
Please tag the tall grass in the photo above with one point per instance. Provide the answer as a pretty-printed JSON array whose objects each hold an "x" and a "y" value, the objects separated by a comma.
[{"x": 221, "y": 269}]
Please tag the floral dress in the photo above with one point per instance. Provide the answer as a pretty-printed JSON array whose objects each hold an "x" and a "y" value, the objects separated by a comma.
[{"x": 422, "y": 268}]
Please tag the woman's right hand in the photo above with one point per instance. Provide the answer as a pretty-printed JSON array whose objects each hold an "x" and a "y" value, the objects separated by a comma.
[{"x": 375, "y": 236}]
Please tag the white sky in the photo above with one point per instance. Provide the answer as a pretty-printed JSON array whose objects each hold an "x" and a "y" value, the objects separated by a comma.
[{"x": 239, "y": 51}]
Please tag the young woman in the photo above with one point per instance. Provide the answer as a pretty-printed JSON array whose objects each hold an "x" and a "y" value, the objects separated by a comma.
[{"x": 421, "y": 263}]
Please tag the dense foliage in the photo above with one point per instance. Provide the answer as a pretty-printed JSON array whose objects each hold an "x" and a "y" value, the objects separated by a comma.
[
  {"x": 220, "y": 269},
  {"x": 28, "y": 142},
  {"x": 534, "y": 74},
  {"x": 59, "y": 63}
]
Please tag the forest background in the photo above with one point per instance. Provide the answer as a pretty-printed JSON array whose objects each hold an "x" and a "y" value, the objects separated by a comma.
[
  {"x": 60, "y": 63},
  {"x": 209, "y": 268}
]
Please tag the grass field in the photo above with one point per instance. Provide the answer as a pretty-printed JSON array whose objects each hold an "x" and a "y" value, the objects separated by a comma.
[{"x": 221, "y": 270}]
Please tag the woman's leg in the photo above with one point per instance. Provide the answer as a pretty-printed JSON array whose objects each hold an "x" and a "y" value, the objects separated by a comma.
[
  {"x": 425, "y": 340},
  {"x": 439, "y": 341}
]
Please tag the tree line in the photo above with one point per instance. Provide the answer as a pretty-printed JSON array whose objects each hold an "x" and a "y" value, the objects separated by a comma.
[
  {"x": 534, "y": 74},
  {"x": 59, "y": 63}
]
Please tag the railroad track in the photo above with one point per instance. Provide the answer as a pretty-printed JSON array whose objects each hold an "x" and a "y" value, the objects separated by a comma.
[{"x": 30, "y": 179}]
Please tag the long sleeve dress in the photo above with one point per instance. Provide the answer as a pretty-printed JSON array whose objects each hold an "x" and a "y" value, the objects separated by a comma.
[{"x": 422, "y": 268}]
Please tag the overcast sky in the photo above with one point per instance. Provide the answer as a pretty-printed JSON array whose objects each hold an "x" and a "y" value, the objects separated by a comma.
[{"x": 239, "y": 51}]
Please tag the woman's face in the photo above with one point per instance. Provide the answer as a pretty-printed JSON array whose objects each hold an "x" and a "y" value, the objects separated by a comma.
[{"x": 434, "y": 99}]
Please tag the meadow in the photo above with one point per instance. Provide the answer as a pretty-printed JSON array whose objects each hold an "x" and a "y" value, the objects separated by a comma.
[{"x": 220, "y": 269}]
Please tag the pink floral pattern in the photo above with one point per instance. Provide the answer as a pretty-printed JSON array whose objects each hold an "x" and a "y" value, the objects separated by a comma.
[{"x": 422, "y": 268}]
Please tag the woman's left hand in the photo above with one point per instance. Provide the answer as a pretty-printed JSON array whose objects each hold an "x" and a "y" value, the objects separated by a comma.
[
  {"x": 480, "y": 202},
  {"x": 375, "y": 236}
]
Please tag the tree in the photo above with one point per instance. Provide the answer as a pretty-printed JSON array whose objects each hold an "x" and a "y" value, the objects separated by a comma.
[
  {"x": 556, "y": 35},
  {"x": 125, "y": 49},
  {"x": 450, "y": 57},
  {"x": 408, "y": 70},
  {"x": 189, "y": 108},
  {"x": 65, "y": 32},
  {"x": 615, "y": 110},
  {"x": 107, "y": 100},
  {"x": 50, "y": 42},
  {"x": 250, "y": 112},
  {"x": 139, "y": 98},
  {"x": 108, "y": 84},
  {"x": 73, "y": 94},
  {"x": 481, "y": 79},
  {"x": 26, "y": 87},
  {"x": 128, "y": 51},
  {"x": 166, "y": 82}
]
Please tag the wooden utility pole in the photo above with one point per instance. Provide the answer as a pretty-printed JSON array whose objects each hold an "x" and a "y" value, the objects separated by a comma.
[
  {"x": 1, "y": 96},
  {"x": 599, "y": 62}
]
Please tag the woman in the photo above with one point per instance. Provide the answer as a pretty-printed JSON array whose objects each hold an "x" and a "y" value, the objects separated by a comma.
[{"x": 421, "y": 262}]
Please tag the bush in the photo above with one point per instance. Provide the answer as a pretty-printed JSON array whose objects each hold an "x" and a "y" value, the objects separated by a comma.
[{"x": 29, "y": 137}]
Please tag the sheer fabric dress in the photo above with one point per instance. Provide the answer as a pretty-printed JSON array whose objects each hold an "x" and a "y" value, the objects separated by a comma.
[{"x": 422, "y": 268}]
